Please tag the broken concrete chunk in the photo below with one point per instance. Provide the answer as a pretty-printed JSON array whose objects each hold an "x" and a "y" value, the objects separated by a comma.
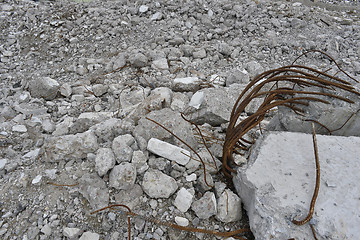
[
  {"x": 183, "y": 200},
  {"x": 123, "y": 176},
  {"x": 70, "y": 146},
  {"x": 121, "y": 147},
  {"x": 278, "y": 185},
  {"x": 94, "y": 189},
  {"x": 229, "y": 207},
  {"x": 205, "y": 207},
  {"x": 187, "y": 84},
  {"x": 140, "y": 161},
  {"x": 44, "y": 87},
  {"x": 169, "y": 151},
  {"x": 156, "y": 184},
  {"x": 104, "y": 161}
]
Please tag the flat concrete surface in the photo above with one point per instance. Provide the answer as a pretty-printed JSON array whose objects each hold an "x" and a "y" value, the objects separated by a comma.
[{"x": 279, "y": 182}]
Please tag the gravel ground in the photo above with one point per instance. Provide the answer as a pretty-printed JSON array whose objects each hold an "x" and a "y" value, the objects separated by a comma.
[{"x": 118, "y": 61}]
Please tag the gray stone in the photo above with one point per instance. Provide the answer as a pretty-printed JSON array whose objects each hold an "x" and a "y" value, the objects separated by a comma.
[
  {"x": 104, "y": 161},
  {"x": 183, "y": 200},
  {"x": 89, "y": 236},
  {"x": 71, "y": 232},
  {"x": 187, "y": 50},
  {"x": 99, "y": 89},
  {"x": 143, "y": 8},
  {"x": 205, "y": 207},
  {"x": 119, "y": 62},
  {"x": 46, "y": 229},
  {"x": 131, "y": 197},
  {"x": 187, "y": 84},
  {"x": 229, "y": 207},
  {"x": 216, "y": 106},
  {"x": 48, "y": 126},
  {"x": 254, "y": 68},
  {"x": 66, "y": 90},
  {"x": 123, "y": 176},
  {"x": 156, "y": 184},
  {"x": 121, "y": 147},
  {"x": 94, "y": 189},
  {"x": 107, "y": 130},
  {"x": 138, "y": 60},
  {"x": 200, "y": 53},
  {"x": 212, "y": 164},
  {"x": 181, "y": 221},
  {"x": 8, "y": 112},
  {"x": 156, "y": 16},
  {"x": 140, "y": 161},
  {"x": 44, "y": 87},
  {"x": 161, "y": 64},
  {"x": 169, "y": 151},
  {"x": 179, "y": 102},
  {"x": 238, "y": 76},
  {"x": 96, "y": 117},
  {"x": 62, "y": 128},
  {"x": 70, "y": 146},
  {"x": 278, "y": 185},
  {"x": 225, "y": 49}
]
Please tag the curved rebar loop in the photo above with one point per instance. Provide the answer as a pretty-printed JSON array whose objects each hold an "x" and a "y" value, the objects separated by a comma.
[
  {"x": 173, "y": 134},
  {"x": 174, "y": 226},
  {"x": 317, "y": 184},
  {"x": 276, "y": 96}
]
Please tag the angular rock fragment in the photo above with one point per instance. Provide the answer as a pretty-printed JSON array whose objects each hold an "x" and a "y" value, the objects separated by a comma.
[
  {"x": 205, "y": 207},
  {"x": 140, "y": 161},
  {"x": 104, "y": 161},
  {"x": 130, "y": 197},
  {"x": 169, "y": 151},
  {"x": 183, "y": 200},
  {"x": 156, "y": 184},
  {"x": 278, "y": 185},
  {"x": 123, "y": 176},
  {"x": 229, "y": 207},
  {"x": 94, "y": 189},
  {"x": 44, "y": 87},
  {"x": 70, "y": 146},
  {"x": 138, "y": 60},
  {"x": 187, "y": 84},
  {"x": 121, "y": 147}
]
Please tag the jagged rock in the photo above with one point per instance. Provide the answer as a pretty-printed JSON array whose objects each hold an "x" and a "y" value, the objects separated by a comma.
[
  {"x": 94, "y": 189},
  {"x": 169, "y": 151},
  {"x": 70, "y": 146},
  {"x": 138, "y": 60},
  {"x": 216, "y": 105},
  {"x": 104, "y": 161},
  {"x": 140, "y": 161},
  {"x": 278, "y": 185},
  {"x": 161, "y": 64},
  {"x": 171, "y": 120},
  {"x": 107, "y": 130},
  {"x": 130, "y": 197},
  {"x": 123, "y": 176},
  {"x": 89, "y": 236},
  {"x": 121, "y": 147},
  {"x": 183, "y": 200},
  {"x": 156, "y": 184},
  {"x": 44, "y": 87},
  {"x": 205, "y": 207},
  {"x": 187, "y": 84},
  {"x": 254, "y": 68},
  {"x": 229, "y": 207},
  {"x": 71, "y": 232}
]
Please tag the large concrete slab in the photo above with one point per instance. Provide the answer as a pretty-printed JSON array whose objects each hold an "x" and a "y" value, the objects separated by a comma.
[{"x": 279, "y": 185}]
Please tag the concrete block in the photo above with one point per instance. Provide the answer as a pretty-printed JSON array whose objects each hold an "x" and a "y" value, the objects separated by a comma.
[{"x": 279, "y": 182}]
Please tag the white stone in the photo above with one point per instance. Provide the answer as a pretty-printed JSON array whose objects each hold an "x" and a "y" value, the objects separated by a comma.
[
  {"x": 228, "y": 207},
  {"x": 19, "y": 128},
  {"x": 34, "y": 154},
  {"x": 156, "y": 184},
  {"x": 46, "y": 229},
  {"x": 3, "y": 163},
  {"x": 186, "y": 84},
  {"x": 89, "y": 236},
  {"x": 104, "y": 161},
  {"x": 181, "y": 221},
  {"x": 161, "y": 64},
  {"x": 37, "y": 179},
  {"x": 205, "y": 207},
  {"x": 156, "y": 16},
  {"x": 279, "y": 185},
  {"x": 169, "y": 151},
  {"x": 143, "y": 8},
  {"x": 191, "y": 177},
  {"x": 197, "y": 99},
  {"x": 71, "y": 232},
  {"x": 183, "y": 200},
  {"x": 66, "y": 90}
]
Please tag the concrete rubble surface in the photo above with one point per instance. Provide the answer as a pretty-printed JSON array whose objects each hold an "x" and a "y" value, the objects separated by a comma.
[
  {"x": 279, "y": 182},
  {"x": 80, "y": 79}
]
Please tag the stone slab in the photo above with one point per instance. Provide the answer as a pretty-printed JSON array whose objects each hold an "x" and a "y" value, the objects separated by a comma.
[{"x": 278, "y": 186}]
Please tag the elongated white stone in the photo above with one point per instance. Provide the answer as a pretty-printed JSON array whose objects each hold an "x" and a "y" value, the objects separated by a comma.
[{"x": 169, "y": 151}]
